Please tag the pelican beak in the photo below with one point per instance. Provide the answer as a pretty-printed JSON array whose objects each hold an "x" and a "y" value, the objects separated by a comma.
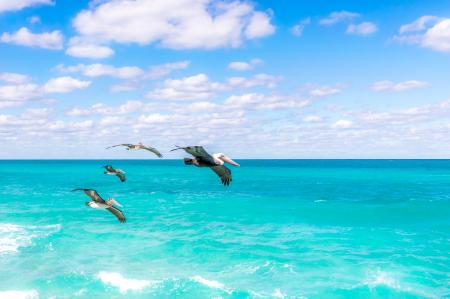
[
  {"x": 117, "y": 203},
  {"x": 178, "y": 148},
  {"x": 234, "y": 163}
]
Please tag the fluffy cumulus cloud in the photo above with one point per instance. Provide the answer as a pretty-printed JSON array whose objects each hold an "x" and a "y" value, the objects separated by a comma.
[
  {"x": 131, "y": 75},
  {"x": 337, "y": 17},
  {"x": 396, "y": 87},
  {"x": 14, "y": 78},
  {"x": 98, "y": 70},
  {"x": 24, "y": 37},
  {"x": 312, "y": 119},
  {"x": 342, "y": 124},
  {"x": 64, "y": 85},
  {"x": 262, "y": 101},
  {"x": 161, "y": 70},
  {"x": 79, "y": 47},
  {"x": 364, "y": 28},
  {"x": 13, "y": 5},
  {"x": 427, "y": 31},
  {"x": 265, "y": 80},
  {"x": 19, "y": 90},
  {"x": 322, "y": 91},
  {"x": 100, "y": 108},
  {"x": 16, "y": 95},
  {"x": 195, "y": 87},
  {"x": 177, "y": 24},
  {"x": 124, "y": 72},
  {"x": 244, "y": 65}
]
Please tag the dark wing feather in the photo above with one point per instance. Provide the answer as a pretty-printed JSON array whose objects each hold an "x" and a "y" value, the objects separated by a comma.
[
  {"x": 92, "y": 194},
  {"x": 118, "y": 213},
  {"x": 201, "y": 155},
  {"x": 123, "y": 144},
  {"x": 109, "y": 168},
  {"x": 153, "y": 150},
  {"x": 121, "y": 176},
  {"x": 224, "y": 173}
]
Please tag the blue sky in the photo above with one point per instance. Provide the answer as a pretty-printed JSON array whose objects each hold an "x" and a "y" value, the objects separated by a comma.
[{"x": 253, "y": 79}]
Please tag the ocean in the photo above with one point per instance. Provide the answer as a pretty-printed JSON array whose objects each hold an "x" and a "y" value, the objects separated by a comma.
[{"x": 282, "y": 229}]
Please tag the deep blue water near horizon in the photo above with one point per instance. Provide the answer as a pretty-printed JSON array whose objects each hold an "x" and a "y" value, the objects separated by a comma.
[{"x": 282, "y": 229}]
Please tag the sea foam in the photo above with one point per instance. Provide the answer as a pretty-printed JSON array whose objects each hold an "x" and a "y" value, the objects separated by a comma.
[
  {"x": 30, "y": 294},
  {"x": 123, "y": 284},
  {"x": 211, "y": 283},
  {"x": 13, "y": 236}
]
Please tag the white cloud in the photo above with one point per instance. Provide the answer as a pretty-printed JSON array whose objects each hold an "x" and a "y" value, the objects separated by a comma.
[
  {"x": 365, "y": 28},
  {"x": 342, "y": 124},
  {"x": 100, "y": 108},
  {"x": 420, "y": 24},
  {"x": 259, "y": 26},
  {"x": 158, "y": 71},
  {"x": 428, "y": 32},
  {"x": 132, "y": 74},
  {"x": 438, "y": 37},
  {"x": 323, "y": 91},
  {"x": 24, "y": 37},
  {"x": 123, "y": 87},
  {"x": 16, "y": 95},
  {"x": 262, "y": 101},
  {"x": 298, "y": 28},
  {"x": 14, "y": 78},
  {"x": 79, "y": 47},
  {"x": 244, "y": 65},
  {"x": 396, "y": 87},
  {"x": 337, "y": 17},
  {"x": 98, "y": 70},
  {"x": 178, "y": 24},
  {"x": 196, "y": 87},
  {"x": 13, "y": 5},
  {"x": 64, "y": 85},
  {"x": 312, "y": 119},
  {"x": 256, "y": 80}
]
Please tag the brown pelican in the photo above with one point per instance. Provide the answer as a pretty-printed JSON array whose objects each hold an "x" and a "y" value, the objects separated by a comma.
[
  {"x": 117, "y": 172},
  {"x": 138, "y": 146},
  {"x": 99, "y": 203},
  {"x": 215, "y": 162}
]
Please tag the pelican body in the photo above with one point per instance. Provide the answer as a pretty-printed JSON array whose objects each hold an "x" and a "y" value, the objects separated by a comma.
[
  {"x": 113, "y": 171},
  {"x": 99, "y": 203},
  {"x": 138, "y": 146},
  {"x": 216, "y": 162}
]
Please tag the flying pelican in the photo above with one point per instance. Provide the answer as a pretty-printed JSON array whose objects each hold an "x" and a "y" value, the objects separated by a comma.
[
  {"x": 117, "y": 172},
  {"x": 138, "y": 146},
  {"x": 99, "y": 203},
  {"x": 215, "y": 162}
]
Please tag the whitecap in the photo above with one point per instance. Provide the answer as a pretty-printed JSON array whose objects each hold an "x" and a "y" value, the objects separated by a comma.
[
  {"x": 13, "y": 236},
  {"x": 278, "y": 294},
  {"x": 123, "y": 284},
  {"x": 382, "y": 278},
  {"x": 211, "y": 283},
  {"x": 30, "y": 294}
]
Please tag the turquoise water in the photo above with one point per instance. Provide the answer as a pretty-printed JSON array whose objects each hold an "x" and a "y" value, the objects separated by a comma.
[{"x": 283, "y": 229}]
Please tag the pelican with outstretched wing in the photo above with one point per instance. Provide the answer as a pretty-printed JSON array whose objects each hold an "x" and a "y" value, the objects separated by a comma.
[
  {"x": 215, "y": 162},
  {"x": 99, "y": 203},
  {"x": 113, "y": 171},
  {"x": 138, "y": 146}
]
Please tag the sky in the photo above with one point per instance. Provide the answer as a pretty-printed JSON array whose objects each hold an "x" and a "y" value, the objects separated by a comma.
[{"x": 252, "y": 79}]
